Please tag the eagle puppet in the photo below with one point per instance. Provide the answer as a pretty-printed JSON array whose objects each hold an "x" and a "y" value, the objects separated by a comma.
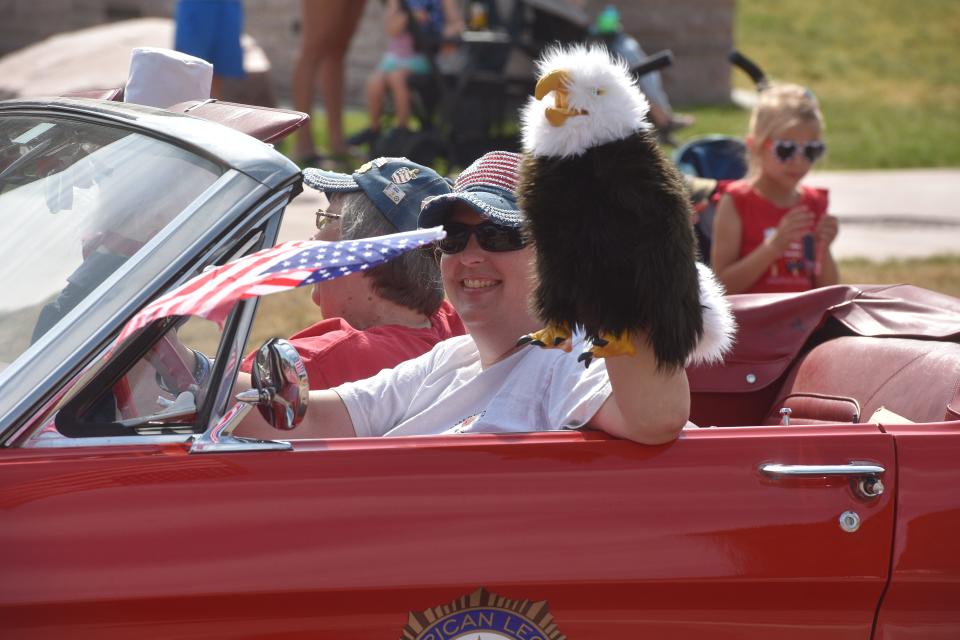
[{"x": 611, "y": 220}]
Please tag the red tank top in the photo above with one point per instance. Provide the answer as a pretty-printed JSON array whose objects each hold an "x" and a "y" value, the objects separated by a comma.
[{"x": 794, "y": 270}]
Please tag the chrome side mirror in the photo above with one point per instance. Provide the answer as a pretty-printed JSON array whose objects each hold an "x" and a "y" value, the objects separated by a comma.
[{"x": 280, "y": 386}]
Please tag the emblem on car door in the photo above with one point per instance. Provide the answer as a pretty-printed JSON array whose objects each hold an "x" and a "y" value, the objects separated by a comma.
[{"x": 484, "y": 615}]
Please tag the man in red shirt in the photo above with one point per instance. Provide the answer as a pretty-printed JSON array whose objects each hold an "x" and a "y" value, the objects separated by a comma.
[{"x": 376, "y": 319}]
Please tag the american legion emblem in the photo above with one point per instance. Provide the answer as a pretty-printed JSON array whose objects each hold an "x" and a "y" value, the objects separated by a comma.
[{"x": 483, "y": 615}]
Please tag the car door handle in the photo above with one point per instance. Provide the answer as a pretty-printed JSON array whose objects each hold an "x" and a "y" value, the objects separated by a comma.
[
  {"x": 821, "y": 470},
  {"x": 867, "y": 485}
]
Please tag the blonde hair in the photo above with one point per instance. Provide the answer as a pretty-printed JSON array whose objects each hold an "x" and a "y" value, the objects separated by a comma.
[{"x": 779, "y": 107}]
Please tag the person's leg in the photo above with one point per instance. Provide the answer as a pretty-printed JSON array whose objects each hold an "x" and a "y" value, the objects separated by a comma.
[
  {"x": 304, "y": 72},
  {"x": 327, "y": 28},
  {"x": 347, "y": 14},
  {"x": 397, "y": 81},
  {"x": 376, "y": 88}
]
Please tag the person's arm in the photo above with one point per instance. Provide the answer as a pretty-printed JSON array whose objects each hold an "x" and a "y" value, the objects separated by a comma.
[
  {"x": 327, "y": 417},
  {"x": 826, "y": 233},
  {"x": 648, "y": 405},
  {"x": 739, "y": 274}
]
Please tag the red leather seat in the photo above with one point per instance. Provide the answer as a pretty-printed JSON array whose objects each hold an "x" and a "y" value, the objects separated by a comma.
[{"x": 848, "y": 378}]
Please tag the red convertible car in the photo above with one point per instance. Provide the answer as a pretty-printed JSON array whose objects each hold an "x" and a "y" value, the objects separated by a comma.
[{"x": 818, "y": 497}]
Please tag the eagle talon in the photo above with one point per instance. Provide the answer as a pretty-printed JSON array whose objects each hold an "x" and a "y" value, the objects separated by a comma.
[
  {"x": 553, "y": 336},
  {"x": 612, "y": 345}
]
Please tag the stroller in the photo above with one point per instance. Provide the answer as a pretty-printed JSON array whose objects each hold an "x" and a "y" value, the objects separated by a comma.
[{"x": 466, "y": 112}]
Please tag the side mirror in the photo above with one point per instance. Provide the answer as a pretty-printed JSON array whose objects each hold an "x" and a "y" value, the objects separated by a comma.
[{"x": 280, "y": 386}]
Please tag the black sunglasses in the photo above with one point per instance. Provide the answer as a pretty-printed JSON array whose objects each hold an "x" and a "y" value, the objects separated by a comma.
[
  {"x": 786, "y": 149},
  {"x": 490, "y": 237}
]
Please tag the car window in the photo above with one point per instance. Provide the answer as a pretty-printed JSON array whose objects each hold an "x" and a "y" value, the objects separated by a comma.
[
  {"x": 76, "y": 201},
  {"x": 160, "y": 393}
]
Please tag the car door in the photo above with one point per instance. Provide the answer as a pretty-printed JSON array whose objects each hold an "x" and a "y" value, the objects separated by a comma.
[
  {"x": 570, "y": 534},
  {"x": 923, "y": 599}
]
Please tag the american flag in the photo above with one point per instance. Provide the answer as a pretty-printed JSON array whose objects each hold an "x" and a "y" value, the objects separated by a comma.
[{"x": 212, "y": 294}]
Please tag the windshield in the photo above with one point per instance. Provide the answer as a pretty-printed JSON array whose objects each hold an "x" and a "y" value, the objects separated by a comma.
[{"x": 76, "y": 201}]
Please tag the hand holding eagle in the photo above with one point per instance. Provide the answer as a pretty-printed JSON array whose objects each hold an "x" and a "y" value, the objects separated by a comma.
[{"x": 611, "y": 221}]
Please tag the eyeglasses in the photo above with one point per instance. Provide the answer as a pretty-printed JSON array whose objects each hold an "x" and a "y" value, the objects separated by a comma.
[
  {"x": 786, "y": 149},
  {"x": 324, "y": 217},
  {"x": 490, "y": 237}
]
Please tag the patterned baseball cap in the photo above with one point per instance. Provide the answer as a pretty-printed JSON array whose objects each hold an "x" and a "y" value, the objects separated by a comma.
[
  {"x": 396, "y": 186},
  {"x": 489, "y": 186}
]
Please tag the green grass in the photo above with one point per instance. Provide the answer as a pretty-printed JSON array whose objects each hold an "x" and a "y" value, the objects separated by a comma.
[
  {"x": 937, "y": 273},
  {"x": 887, "y": 74}
]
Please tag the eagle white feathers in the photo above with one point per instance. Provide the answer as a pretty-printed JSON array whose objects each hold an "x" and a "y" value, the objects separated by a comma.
[
  {"x": 611, "y": 221},
  {"x": 581, "y": 81}
]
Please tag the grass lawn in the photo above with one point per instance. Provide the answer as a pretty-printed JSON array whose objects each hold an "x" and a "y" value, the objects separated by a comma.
[
  {"x": 937, "y": 273},
  {"x": 887, "y": 75}
]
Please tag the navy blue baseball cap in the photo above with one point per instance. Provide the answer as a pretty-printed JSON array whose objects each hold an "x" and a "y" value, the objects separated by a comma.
[
  {"x": 396, "y": 186},
  {"x": 488, "y": 186}
]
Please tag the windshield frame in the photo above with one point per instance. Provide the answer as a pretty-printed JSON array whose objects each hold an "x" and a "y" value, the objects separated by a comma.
[{"x": 190, "y": 238}]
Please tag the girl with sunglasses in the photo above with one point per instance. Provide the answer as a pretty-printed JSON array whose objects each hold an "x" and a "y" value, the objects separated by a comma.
[{"x": 771, "y": 233}]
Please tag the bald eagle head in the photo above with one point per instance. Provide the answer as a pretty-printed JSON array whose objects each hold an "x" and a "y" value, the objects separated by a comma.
[{"x": 584, "y": 98}]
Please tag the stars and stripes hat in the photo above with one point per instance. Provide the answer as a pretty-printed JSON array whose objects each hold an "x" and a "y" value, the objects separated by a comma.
[
  {"x": 396, "y": 186},
  {"x": 489, "y": 186}
]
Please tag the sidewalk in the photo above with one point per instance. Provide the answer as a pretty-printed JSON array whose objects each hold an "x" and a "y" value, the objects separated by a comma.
[{"x": 904, "y": 213}]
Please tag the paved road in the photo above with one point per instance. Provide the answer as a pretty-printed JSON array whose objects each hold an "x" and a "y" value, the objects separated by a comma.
[{"x": 883, "y": 214}]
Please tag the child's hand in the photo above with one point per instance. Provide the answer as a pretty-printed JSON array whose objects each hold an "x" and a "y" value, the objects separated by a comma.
[
  {"x": 827, "y": 230},
  {"x": 797, "y": 222}
]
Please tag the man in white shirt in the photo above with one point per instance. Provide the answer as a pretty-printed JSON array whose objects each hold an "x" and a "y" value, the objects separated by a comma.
[{"x": 484, "y": 381}]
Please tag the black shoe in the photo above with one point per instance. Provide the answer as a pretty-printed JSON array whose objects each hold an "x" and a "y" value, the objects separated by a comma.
[
  {"x": 367, "y": 136},
  {"x": 393, "y": 143}
]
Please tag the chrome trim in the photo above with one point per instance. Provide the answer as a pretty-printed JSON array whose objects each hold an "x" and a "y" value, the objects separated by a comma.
[
  {"x": 63, "y": 442},
  {"x": 218, "y": 439},
  {"x": 849, "y": 521},
  {"x": 821, "y": 470},
  {"x": 218, "y": 436},
  {"x": 869, "y": 488}
]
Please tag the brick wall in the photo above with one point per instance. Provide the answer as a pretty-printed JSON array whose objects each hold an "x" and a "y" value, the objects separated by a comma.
[{"x": 700, "y": 33}]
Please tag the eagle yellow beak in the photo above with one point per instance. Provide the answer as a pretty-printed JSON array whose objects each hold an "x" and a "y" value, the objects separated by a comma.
[{"x": 556, "y": 81}]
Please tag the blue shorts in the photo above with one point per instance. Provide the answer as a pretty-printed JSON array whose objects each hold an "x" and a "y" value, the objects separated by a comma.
[
  {"x": 415, "y": 64},
  {"x": 211, "y": 29}
]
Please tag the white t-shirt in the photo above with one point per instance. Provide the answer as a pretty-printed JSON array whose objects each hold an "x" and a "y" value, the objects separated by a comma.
[{"x": 446, "y": 391}]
